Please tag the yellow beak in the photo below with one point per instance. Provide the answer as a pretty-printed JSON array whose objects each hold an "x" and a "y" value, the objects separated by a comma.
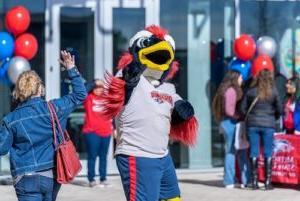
[{"x": 158, "y": 56}]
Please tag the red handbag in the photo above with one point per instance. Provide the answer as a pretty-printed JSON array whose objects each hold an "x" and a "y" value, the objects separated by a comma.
[{"x": 67, "y": 160}]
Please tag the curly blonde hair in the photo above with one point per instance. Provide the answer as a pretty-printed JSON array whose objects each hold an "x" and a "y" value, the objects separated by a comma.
[{"x": 28, "y": 84}]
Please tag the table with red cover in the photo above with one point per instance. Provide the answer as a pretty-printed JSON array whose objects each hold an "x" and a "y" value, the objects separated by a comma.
[{"x": 286, "y": 160}]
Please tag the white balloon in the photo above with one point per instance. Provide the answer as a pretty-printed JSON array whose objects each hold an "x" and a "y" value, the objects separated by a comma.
[
  {"x": 17, "y": 65},
  {"x": 266, "y": 45}
]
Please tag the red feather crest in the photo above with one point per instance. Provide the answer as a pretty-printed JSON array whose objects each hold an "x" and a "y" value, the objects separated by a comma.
[{"x": 157, "y": 31}]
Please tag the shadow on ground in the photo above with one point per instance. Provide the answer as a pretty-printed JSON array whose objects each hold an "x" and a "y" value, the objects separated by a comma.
[
  {"x": 214, "y": 183},
  {"x": 219, "y": 184},
  {"x": 80, "y": 183}
]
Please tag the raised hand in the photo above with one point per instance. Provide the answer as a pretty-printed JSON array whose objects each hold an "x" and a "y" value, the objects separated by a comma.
[{"x": 67, "y": 60}]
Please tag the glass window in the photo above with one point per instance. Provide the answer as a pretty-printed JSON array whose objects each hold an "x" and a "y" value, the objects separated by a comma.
[
  {"x": 126, "y": 22},
  {"x": 77, "y": 32},
  {"x": 177, "y": 27},
  {"x": 37, "y": 28},
  {"x": 203, "y": 32},
  {"x": 281, "y": 21}
]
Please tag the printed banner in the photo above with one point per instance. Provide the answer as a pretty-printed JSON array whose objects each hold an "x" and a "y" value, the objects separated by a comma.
[{"x": 286, "y": 160}]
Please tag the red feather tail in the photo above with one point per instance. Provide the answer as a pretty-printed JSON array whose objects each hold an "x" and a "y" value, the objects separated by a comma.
[
  {"x": 113, "y": 96},
  {"x": 185, "y": 132}
]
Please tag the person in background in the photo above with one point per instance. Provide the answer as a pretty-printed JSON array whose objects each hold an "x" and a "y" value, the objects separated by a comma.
[
  {"x": 261, "y": 120},
  {"x": 225, "y": 110},
  {"x": 291, "y": 116},
  {"x": 26, "y": 133},
  {"x": 97, "y": 132}
]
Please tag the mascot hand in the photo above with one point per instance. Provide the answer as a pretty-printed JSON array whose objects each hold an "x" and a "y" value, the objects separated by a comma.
[{"x": 183, "y": 110}]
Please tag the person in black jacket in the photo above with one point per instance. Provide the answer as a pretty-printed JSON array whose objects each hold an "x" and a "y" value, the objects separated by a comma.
[{"x": 261, "y": 120}]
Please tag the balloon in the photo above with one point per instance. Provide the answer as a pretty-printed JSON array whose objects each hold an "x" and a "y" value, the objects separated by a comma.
[
  {"x": 266, "y": 45},
  {"x": 17, "y": 20},
  {"x": 243, "y": 67},
  {"x": 3, "y": 68},
  {"x": 17, "y": 65},
  {"x": 262, "y": 62},
  {"x": 26, "y": 46},
  {"x": 244, "y": 47},
  {"x": 6, "y": 45}
]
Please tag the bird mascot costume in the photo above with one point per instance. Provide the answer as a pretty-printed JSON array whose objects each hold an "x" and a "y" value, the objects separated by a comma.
[{"x": 148, "y": 112}]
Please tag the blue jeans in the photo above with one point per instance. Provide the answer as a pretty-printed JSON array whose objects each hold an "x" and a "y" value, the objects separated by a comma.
[
  {"x": 254, "y": 134},
  {"x": 228, "y": 127},
  {"x": 37, "y": 188},
  {"x": 97, "y": 146}
]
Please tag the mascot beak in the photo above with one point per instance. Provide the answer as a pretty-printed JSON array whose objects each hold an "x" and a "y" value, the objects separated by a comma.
[{"x": 158, "y": 56}]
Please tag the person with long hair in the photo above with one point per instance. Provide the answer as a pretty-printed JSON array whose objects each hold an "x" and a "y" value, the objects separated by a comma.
[
  {"x": 26, "y": 133},
  {"x": 225, "y": 109},
  {"x": 261, "y": 120},
  {"x": 291, "y": 106}
]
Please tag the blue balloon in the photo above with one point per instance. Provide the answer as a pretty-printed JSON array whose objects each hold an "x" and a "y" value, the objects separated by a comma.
[
  {"x": 6, "y": 45},
  {"x": 3, "y": 68},
  {"x": 242, "y": 67}
]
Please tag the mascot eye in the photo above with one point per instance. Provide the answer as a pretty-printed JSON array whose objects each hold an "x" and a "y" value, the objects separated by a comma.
[
  {"x": 143, "y": 42},
  {"x": 147, "y": 42}
]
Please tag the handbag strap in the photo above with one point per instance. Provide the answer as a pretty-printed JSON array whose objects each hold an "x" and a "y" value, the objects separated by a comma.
[
  {"x": 53, "y": 125},
  {"x": 55, "y": 122},
  {"x": 251, "y": 107}
]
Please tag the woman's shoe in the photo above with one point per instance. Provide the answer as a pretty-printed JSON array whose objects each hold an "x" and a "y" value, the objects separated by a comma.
[
  {"x": 230, "y": 186},
  {"x": 254, "y": 166},
  {"x": 268, "y": 174},
  {"x": 92, "y": 184}
]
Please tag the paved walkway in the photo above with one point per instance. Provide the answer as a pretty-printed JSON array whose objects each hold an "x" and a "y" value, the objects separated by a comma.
[{"x": 194, "y": 187}]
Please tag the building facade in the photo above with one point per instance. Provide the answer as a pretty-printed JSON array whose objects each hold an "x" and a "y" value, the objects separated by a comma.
[{"x": 204, "y": 31}]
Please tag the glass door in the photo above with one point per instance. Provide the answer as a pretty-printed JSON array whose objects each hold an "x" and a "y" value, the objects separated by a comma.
[
  {"x": 119, "y": 21},
  {"x": 280, "y": 20},
  {"x": 98, "y": 31},
  {"x": 71, "y": 26}
]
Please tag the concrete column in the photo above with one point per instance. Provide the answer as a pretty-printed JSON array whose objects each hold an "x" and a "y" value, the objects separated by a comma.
[{"x": 198, "y": 80}]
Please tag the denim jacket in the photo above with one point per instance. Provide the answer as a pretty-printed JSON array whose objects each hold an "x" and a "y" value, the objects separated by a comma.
[{"x": 27, "y": 131}]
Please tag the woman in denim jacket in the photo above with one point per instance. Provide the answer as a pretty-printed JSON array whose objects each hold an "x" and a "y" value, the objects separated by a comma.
[{"x": 26, "y": 133}]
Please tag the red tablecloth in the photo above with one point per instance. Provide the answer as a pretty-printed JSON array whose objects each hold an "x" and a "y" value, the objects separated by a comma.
[{"x": 286, "y": 160}]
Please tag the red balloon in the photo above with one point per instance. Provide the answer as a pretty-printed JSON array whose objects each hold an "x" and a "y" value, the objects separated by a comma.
[
  {"x": 26, "y": 46},
  {"x": 17, "y": 20},
  {"x": 244, "y": 47},
  {"x": 262, "y": 62}
]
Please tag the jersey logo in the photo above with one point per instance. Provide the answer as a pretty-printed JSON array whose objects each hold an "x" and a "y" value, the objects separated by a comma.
[
  {"x": 161, "y": 97},
  {"x": 97, "y": 107}
]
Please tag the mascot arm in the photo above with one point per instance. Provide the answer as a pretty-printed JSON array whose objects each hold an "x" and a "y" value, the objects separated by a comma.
[
  {"x": 184, "y": 125},
  {"x": 118, "y": 89},
  {"x": 182, "y": 111},
  {"x": 131, "y": 75}
]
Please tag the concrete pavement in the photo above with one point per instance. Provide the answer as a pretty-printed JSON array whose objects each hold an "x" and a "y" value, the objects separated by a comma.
[{"x": 195, "y": 186}]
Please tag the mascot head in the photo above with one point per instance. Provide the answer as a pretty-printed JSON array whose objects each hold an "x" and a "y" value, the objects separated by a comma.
[{"x": 154, "y": 49}]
